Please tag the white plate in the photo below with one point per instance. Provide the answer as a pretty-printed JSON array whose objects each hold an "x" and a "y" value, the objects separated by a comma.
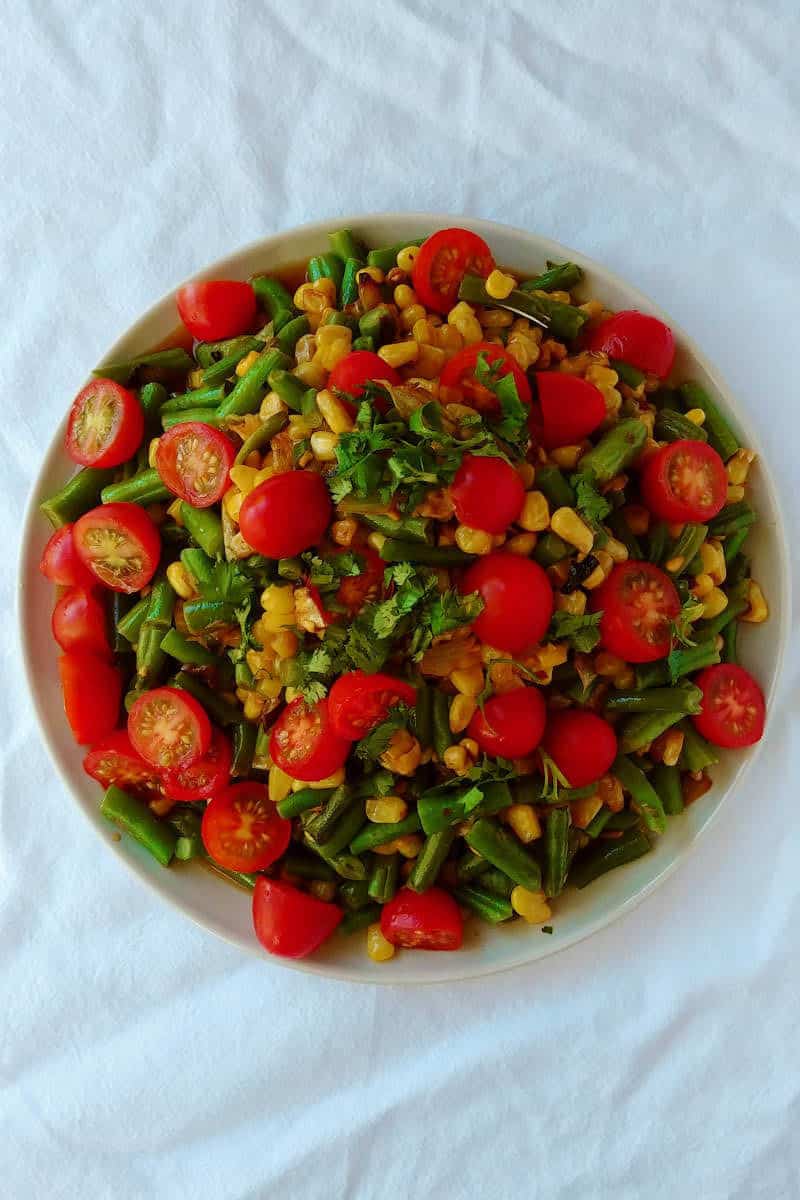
[{"x": 224, "y": 909}]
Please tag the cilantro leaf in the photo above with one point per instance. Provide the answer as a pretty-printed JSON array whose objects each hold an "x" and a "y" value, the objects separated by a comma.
[
  {"x": 412, "y": 587},
  {"x": 581, "y": 632},
  {"x": 513, "y": 424},
  {"x": 226, "y": 581},
  {"x": 363, "y": 649},
  {"x": 451, "y": 610},
  {"x": 472, "y": 799},
  {"x": 553, "y": 778},
  {"x": 327, "y": 573},
  {"x": 377, "y": 740},
  {"x": 681, "y": 627},
  {"x": 589, "y": 502}
]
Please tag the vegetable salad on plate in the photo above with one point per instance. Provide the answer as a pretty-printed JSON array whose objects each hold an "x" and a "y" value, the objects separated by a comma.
[{"x": 404, "y": 595}]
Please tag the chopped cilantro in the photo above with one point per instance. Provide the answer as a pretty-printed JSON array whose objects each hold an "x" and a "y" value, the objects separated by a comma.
[
  {"x": 681, "y": 628},
  {"x": 512, "y": 426},
  {"x": 553, "y": 778},
  {"x": 581, "y": 632},
  {"x": 377, "y": 740}
]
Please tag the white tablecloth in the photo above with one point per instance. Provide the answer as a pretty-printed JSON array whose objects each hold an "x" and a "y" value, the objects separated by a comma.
[{"x": 139, "y": 1056}]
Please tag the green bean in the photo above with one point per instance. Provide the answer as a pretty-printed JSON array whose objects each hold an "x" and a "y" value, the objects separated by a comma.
[
  {"x": 77, "y": 496},
  {"x": 199, "y": 416},
  {"x": 302, "y": 865},
  {"x": 598, "y": 823},
  {"x": 407, "y": 529},
  {"x": 150, "y": 658},
  {"x": 734, "y": 542},
  {"x": 738, "y": 575},
  {"x": 290, "y": 389},
  {"x": 556, "y": 849},
  {"x": 352, "y": 922},
  {"x": 130, "y": 625},
  {"x": 657, "y": 540},
  {"x": 271, "y": 295},
  {"x": 667, "y": 782},
  {"x": 152, "y": 398},
  {"x": 243, "y": 676},
  {"x": 376, "y": 323},
  {"x": 671, "y": 426},
  {"x": 607, "y": 855},
  {"x": 364, "y": 343},
  {"x": 212, "y": 354},
  {"x": 373, "y": 835},
  {"x": 120, "y": 606},
  {"x": 430, "y": 860},
  {"x": 550, "y": 549},
  {"x": 323, "y": 824},
  {"x": 732, "y": 519},
  {"x": 199, "y": 566},
  {"x": 697, "y": 753},
  {"x": 559, "y": 277},
  {"x": 625, "y": 819},
  {"x": 564, "y": 321},
  {"x": 423, "y": 716},
  {"x": 348, "y": 292},
  {"x": 291, "y": 333},
  {"x": 643, "y": 795},
  {"x": 720, "y": 434},
  {"x": 684, "y": 662},
  {"x": 219, "y": 372},
  {"x": 205, "y": 397},
  {"x": 187, "y": 848},
  {"x": 643, "y": 728},
  {"x": 173, "y": 359},
  {"x": 354, "y": 893},
  {"x": 552, "y": 482},
  {"x": 656, "y": 699},
  {"x": 628, "y": 374},
  {"x": 686, "y": 546},
  {"x": 144, "y": 488},
  {"x": 200, "y": 615},
  {"x": 173, "y": 535},
  {"x": 291, "y": 568},
  {"x": 386, "y": 257},
  {"x": 730, "y": 638},
  {"x": 383, "y": 880},
  {"x": 261, "y": 758},
  {"x": 242, "y": 880},
  {"x": 344, "y": 831},
  {"x": 442, "y": 806},
  {"x": 441, "y": 733},
  {"x": 204, "y": 527},
  {"x": 307, "y": 798},
  {"x": 616, "y": 450},
  {"x": 344, "y": 244},
  {"x": 471, "y": 866},
  {"x": 249, "y": 389},
  {"x": 261, "y": 436},
  {"x": 134, "y": 817},
  {"x": 504, "y": 852},
  {"x": 244, "y": 744},
  {"x": 184, "y": 651},
  {"x": 737, "y": 604},
  {"x": 486, "y": 905},
  {"x": 346, "y": 320},
  {"x": 393, "y": 550},
  {"x": 217, "y": 707},
  {"x": 496, "y": 882},
  {"x": 346, "y": 866}
]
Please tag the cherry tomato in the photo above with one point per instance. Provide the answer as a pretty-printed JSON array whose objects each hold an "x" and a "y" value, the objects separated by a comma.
[
  {"x": 684, "y": 481},
  {"x": 193, "y": 460},
  {"x": 169, "y": 728},
  {"x": 635, "y": 338},
  {"x": 204, "y": 778},
  {"x": 443, "y": 260},
  {"x": 242, "y": 829},
  {"x": 105, "y": 425},
  {"x": 119, "y": 544},
  {"x": 60, "y": 563},
  {"x": 459, "y": 374},
  {"x": 733, "y": 710},
  {"x": 286, "y": 514},
  {"x": 360, "y": 367},
  {"x": 571, "y": 408},
  {"x": 79, "y": 622},
  {"x": 487, "y": 493},
  {"x": 219, "y": 308},
  {"x": 427, "y": 921},
  {"x": 517, "y": 600},
  {"x": 303, "y": 743},
  {"x": 114, "y": 761},
  {"x": 92, "y": 692},
  {"x": 355, "y": 590},
  {"x": 582, "y": 745},
  {"x": 358, "y": 702},
  {"x": 289, "y": 922},
  {"x": 511, "y": 724},
  {"x": 638, "y": 602}
]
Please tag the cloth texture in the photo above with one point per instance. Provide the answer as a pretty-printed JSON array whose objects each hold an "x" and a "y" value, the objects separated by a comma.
[{"x": 141, "y": 1057}]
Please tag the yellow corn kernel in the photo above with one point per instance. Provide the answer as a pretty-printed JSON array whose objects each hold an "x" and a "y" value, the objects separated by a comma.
[
  {"x": 735, "y": 493},
  {"x": 423, "y": 332},
  {"x": 696, "y": 416},
  {"x": 531, "y": 906},
  {"x": 545, "y": 658},
  {"x": 333, "y": 344},
  {"x": 625, "y": 680},
  {"x": 376, "y": 540},
  {"x": 595, "y": 309},
  {"x": 573, "y": 602},
  {"x": 462, "y": 317},
  {"x": 462, "y": 710},
  {"x": 271, "y": 405},
  {"x": 269, "y": 686},
  {"x": 151, "y": 453},
  {"x": 758, "y": 610},
  {"x": 571, "y": 528},
  {"x": 524, "y": 349},
  {"x": 468, "y": 681},
  {"x": 244, "y": 478},
  {"x": 244, "y": 364},
  {"x": 409, "y": 316},
  {"x": 610, "y": 791},
  {"x": 232, "y": 501},
  {"x": 409, "y": 845},
  {"x": 714, "y": 603},
  {"x": 407, "y": 257},
  {"x": 343, "y": 531},
  {"x": 473, "y": 541},
  {"x": 523, "y": 820},
  {"x": 637, "y": 517},
  {"x": 334, "y": 411},
  {"x": 523, "y": 544},
  {"x": 495, "y": 318},
  {"x": 601, "y": 377},
  {"x": 567, "y": 457},
  {"x": 285, "y": 644},
  {"x": 195, "y": 379},
  {"x": 670, "y": 747},
  {"x": 174, "y": 511},
  {"x": 386, "y": 810},
  {"x": 180, "y": 581},
  {"x": 253, "y": 706},
  {"x": 617, "y": 549},
  {"x": 399, "y": 354},
  {"x": 713, "y": 559},
  {"x": 428, "y": 364},
  {"x": 280, "y": 784},
  {"x": 499, "y": 285},
  {"x": 373, "y": 273},
  {"x": 449, "y": 339},
  {"x": 738, "y": 466},
  {"x": 675, "y": 564},
  {"x": 703, "y": 586},
  {"x": 456, "y": 758},
  {"x": 585, "y": 810},
  {"x": 404, "y": 296},
  {"x": 535, "y": 514},
  {"x": 277, "y": 601},
  {"x": 331, "y": 781},
  {"x": 312, "y": 374},
  {"x": 601, "y": 572},
  {"x": 378, "y": 948},
  {"x": 527, "y": 474},
  {"x": 403, "y": 754},
  {"x": 323, "y": 445},
  {"x": 314, "y": 297}
]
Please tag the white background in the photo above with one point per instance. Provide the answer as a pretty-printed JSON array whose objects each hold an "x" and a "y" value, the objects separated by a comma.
[{"x": 140, "y": 1057}]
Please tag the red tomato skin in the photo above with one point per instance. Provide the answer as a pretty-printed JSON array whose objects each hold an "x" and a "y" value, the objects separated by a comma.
[
  {"x": 427, "y": 921},
  {"x": 511, "y": 725},
  {"x": 176, "y": 441},
  {"x": 60, "y": 562},
  {"x": 658, "y": 491},
  {"x": 291, "y": 923},
  {"x": 209, "y": 775},
  {"x": 582, "y": 745},
  {"x": 246, "y": 807},
  {"x": 443, "y": 260},
  {"x": 571, "y": 408},
  {"x": 219, "y": 308},
  {"x": 113, "y": 760},
  {"x": 355, "y": 590},
  {"x": 617, "y": 634},
  {"x": 326, "y": 751},
  {"x": 127, "y": 431},
  {"x": 92, "y": 692},
  {"x": 286, "y": 514},
  {"x": 487, "y": 493},
  {"x": 189, "y": 709},
  {"x": 358, "y": 702},
  {"x": 518, "y": 600},
  {"x": 360, "y": 367},
  {"x": 461, "y": 367},
  {"x": 80, "y": 623},
  {"x": 717, "y": 682},
  {"x": 635, "y": 338},
  {"x": 122, "y": 518}
]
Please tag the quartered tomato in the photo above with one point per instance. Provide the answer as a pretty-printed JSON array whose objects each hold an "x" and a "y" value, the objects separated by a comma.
[
  {"x": 105, "y": 425},
  {"x": 303, "y": 743},
  {"x": 517, "y": 600},
  {"x": 80, "y": 623},
  {"x": 635, "y": 338},
  {"x": 193, "y": 460},
  {"x": 571, "y": 408},
  {"x": 169, "y": 728},
  {"x": 60, "y": 562},
  {"x": 360, "y": 367},
  {"x": 204, "y": 778},
  {"x": 114, "y": 761},
  {"x": 638, "y": 602},
  {"x": 459, "y": 374},
  {"x": 510, "y": 724},
  {"x": 242, "y": 829},
  {"x": 92, "y": 692},
  {"x": 355, "y": 590},
  {"x": 289, "y": 922},
  {"x": 427, "y": 921},
  {"x": 582, "y": 745},
  {"x": 358, "y": 702},
  {"x": 684, "y": 481},
  {"x": 487, "y": 493},
  {"x": 286, "y": 514},
  {"x": 733, "y": 710},
  {"x": 119, "y": 544},
  {"x": 219, "y": 308},
  {"x": 443, "y": 260}
]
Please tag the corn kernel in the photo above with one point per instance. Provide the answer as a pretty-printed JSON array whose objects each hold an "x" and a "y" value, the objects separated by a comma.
[
  {"x": 617, "y": 549},
  {"x": 571, "y": 528},
  {"x": 399, "y": 354},
  {"x": 462, "y": 710},
  {"x": 174, "y": 511},
  {"x": 271, "y": 406},
  {"x": 280, "y": 784},
  {"x": 462, "y": 317},
  {"x": 244, "y": 478},
  {"x": 331, "y": 781},
  {"x": 373, "y": 273},
  {"x": 714, "y": 603},
  {"x": 696, "y": 416},
  {"x": 535, "y": 514},
  {"x": 499, "y": 285},
  {"x": 470, "y": 746},
  {"x": 151, "y": 453},
  {"x": 344, "y": 531},
  {"x": 713, "y": 559},
  {"x": 334, "y": 412},
  {"x": 585, "y": 810},
  {"x": 609, "y": 665},
  {"x": 312, "y": 374},
  {"x": 429, "y": 362},
  {"x": 572, "y": 602},
  {"x": 758, "y": 611},
  {"x": 323, "y": 446},
  {"x": 703, "y": 586},
  {"x": 473, "y": 541},
  {"x": 449, "y": 339},
  {"x": 738, "y": 466},
  {"x": 468, "y": 681},
  {"x": 386, "y": 810},
  {"x": 495, "y": 318},
  {"x": 601, "y": 572},
  {"x": 524, "y": 349},
  {"x": 423, "y": 333},
  {"x": 409, "y": 845},
  {"x": 244, "y": 364},
  {"x": 523, "y": 544},
  {"x": 610, "y": 792},
  {"x": 523, "y": 820},
  {"x": 531, "y": 906},
  {"x": 567, "y": 457},
  {"x": 232, "y": 500},
  {"x": 404, "y": 296},
  {"x": 376, "y": 540},
  {"x": 285, "y": 644},
  {"x": 253, "y": 706},
  {"x": 409, "y": 317},
  {"x": 180, "y": 581},
  {"x": 735, "y": 493},
  {"x": 455, "y": 758},
  {"x": 333, "y": 344},
  {"x": 378, "y": 948},
  {"x": 314, "y": 297}
]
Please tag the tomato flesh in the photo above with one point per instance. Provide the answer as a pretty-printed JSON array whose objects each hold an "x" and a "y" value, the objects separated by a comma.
[
  {"x": 443, "y": 260},
  {"x": 242, "y": 829},
  {"x": 355, "y": 590},
  {"x": 204, "y": 778},
  {"x": 119, "y": 544},
  {"x": 60, "y": 562},
  {"x": 219, "y": 308},
  {"x": 427, "y": 921},
  {"x": 684, "y": 481},
  {"x": 582, "y": 745},
  {"x": 571, "y": 408},
  {"x": 114, "y": 761},
  {"x": 286, "y": 514},
  {"x": 511, "y": 724},
  {"x": 303, "y": 743},
  {"x": 732, "y": 711},
  {"x": 458, "y": 374},
  {"x": 358, "y": 702},
  {"x": 79, "y": 622},
  {"x": 635, "y": 338},
  {"x": 92, "y": 692},
  {"x": 194, "y": 460},
  {"x": 356, "y": 369},
  {"x": 105, "y": 425},
  {"x": 517, "y": 599},
  {"x": 289, "y": 922},
  {"x": 639, "y": 603},
  {"x": 487, "y": 493},
  {"x": 169, "y": 728}
]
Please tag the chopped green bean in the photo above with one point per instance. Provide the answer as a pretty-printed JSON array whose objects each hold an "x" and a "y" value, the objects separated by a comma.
[
  {"x": 656, "y": 699},
  {"x": 204, "y": 527},
  {"x": 383, "y": 880},
  {"x": 373, "y": 835},
  {"x": 430, "y": 860},
  {"x": 643, "y": 795},
  {"x": 244, "y": 745},
  {"x": 485, "y": 904},
  {"x": 250, "y": 388},
  {"x": 134, "y": 817},
  {"x": 217, "y": 707},
  {"x": 417, "y": 552},
  {"x": 720, "y": 434},
  {"x": 615, "y": 451},
  {"x": 307, "y": 798},
  {"x": 504, "y": 852},
  {"x": 352, "y": 922},
  {"x": 606, "y": 856},
  {"x": 559, "y": 277},
  {"x": 173, "y": 359},
  {"x": 556, "y": 851},
  {"x": 667, "y": 782},
  {"x": 77, "y": 496}
]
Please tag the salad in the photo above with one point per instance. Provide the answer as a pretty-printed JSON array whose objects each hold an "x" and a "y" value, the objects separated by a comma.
[{"x": 406, "y": 594}]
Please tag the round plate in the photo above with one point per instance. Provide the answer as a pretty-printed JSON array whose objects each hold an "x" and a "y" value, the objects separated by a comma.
[{"x": 224, "y": 909}]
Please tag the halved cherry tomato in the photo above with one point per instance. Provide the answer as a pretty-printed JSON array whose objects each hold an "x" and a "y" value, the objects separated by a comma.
[
  {"x": 204, "y": 778},
  {"x": 487, "y": 493},
  {"x": 517, "y": 600},
  {"x": 355, "y": 590},
  {"x": 242, "y": 829},
  {"x": 193, "y": 460},
  {"x": 443, "y": 260},
  {"x": 510, "y": 724},
  {"x": 80, "y": 622},
  {"x": 571, "y": 408},
  {"x": 635, "y": 338},
  {"x": 315, "y": 596},
  {"x": 92, "y": 692},
  {"x": 286, "y": 514},
  {"x": 582, "y": 745},
  {"x": 119, "y": 544},
  {"x": 219, "y": 308},
  {"x": 105, "y": 425},
  {"x": 303, "y": 743},
  {"x": 357, "y": 368},
  {"x": 427, "y": 921},
  {"x": 459, "y": 374},
  {"x": 114, "y": 761},
  {"x": 638, "y": 602},
  {"x": 684, "y": 481},
  {"x": 289, "y": 922},
  {"x": 358, "y": 702},
  {"x": 733, "y": 710},
  {"x": 169, "y": 728},
  {"x": 61, "y": 564}
]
